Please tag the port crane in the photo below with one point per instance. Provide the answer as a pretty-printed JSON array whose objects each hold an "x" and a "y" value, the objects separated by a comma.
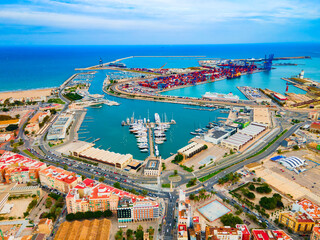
[{"x": 267, "y": 64}]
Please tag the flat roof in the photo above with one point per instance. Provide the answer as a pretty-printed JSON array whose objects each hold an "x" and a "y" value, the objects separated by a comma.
[
  {"x": 218, "y": 134},
  {"x": 213, "y": 210},
  {"x": 152, "y": 164}
]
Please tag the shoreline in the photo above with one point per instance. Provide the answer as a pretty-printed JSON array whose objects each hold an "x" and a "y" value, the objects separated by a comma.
[
  {"x": 31, "y": 89},
  {"x": 27, "y": 94}
]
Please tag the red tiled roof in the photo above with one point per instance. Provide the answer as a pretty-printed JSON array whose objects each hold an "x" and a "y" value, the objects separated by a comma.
[
  {"x": 10, "y": 158},
  {"x": 311, "y": 208},
  {"x": 101, "y": 191},
  {"x": 59, "y": 174}
]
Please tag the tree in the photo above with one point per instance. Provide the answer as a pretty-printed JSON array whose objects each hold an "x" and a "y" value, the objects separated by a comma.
[
  {"x": 108, "y": 213},
  {"x": 230, "y": 220},
  {"x": 175, "y": 172},
  {"x": 295, "y": 147},
  {"x": 101, "y": 179},
  {"x": 18, "y": 116},
  {"x": 191, "y": 196},
  {"x": 252, "y": 187},
  {"x": 116, "y": 185},
  {"x": 65, "y": 167},
  {"x": 129, "y": 232},
  {"x": 12, "y": 127},
  {"x": 70, "y": 217},
  {"x": 11, "y": 142},
  {"x": 144, "y": 192},
  {"x": 119, "y": 235},
  {"x": 151, "y": 231},
  {"x": 139, "y": 233},
  {"x": 259, "y": 179},
  {"x": 48, "y": 203}
]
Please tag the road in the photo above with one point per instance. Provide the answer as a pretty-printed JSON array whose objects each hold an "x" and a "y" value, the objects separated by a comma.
[{"x": 43, "y": 151}]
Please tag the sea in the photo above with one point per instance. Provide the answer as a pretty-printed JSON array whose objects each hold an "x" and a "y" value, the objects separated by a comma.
[{"x": 35, "y": 67}]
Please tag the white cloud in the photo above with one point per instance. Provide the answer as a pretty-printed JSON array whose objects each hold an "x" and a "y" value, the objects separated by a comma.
[{"x": 154, "y": 14}]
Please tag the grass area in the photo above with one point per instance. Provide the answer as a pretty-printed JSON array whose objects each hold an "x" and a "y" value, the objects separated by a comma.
[
  {"x": 210, "y": 175},
  {"x": 56, "y": 100},
  {"x": 269, "y": 144},
  {"x": 26, "y": 151},
  {"x": 73, "y": 96},
  {"x": 166, "y": 185}
]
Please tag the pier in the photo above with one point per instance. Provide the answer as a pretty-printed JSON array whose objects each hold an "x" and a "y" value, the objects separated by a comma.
[{"x": 151, "y": 144}]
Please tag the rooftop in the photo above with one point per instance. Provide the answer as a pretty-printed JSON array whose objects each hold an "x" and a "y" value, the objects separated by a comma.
[
  {"x": 266, "y": 234},
  {"x": 311, "y": 208},
  {"x": 218, "y": 133},
  {"x": 87, "y": 229},
  {"x": 152, "y": 164},
  {"x": 59, "y": 174},
  {"x": 13, "y": 159},
  {"x": 97, "y": 190}
]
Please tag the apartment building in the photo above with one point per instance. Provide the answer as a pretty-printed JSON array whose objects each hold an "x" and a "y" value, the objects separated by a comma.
[
  {"x": 91, "y": 195},
  {"x": 59, "y": 179},
  {"x": 17, "y": 168}
]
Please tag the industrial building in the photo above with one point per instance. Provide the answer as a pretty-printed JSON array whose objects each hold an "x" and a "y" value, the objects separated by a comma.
[
  {"x": 114, "y": 159},
  {"x": 58, "y": 130},
  {"x": 217, "y": 135},
  {"x": 87, "y": 229},
  {"x": 191, "y": 149},
  {"x": 291, "y": 162},
  {"x": 238, "y": 140},
  {"x": 242, "y": 122},
  {"x": 254, "y": 129}
]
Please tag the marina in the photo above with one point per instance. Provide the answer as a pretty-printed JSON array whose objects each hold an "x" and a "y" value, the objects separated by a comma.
[{"x": 149, "y": 134}]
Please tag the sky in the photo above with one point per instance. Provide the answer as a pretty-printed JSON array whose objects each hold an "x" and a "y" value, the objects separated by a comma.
[{"x": 126, "y": 22}]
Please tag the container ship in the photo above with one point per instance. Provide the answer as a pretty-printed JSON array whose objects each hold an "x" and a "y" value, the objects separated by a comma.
[{"x": 221, "y": 96}]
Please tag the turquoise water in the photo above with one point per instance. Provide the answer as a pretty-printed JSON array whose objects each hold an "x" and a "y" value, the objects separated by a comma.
[
  {"x": 117, "y": 138},
  {"x": 38, "y": 67},
  {"x": 271, "y": 80}
]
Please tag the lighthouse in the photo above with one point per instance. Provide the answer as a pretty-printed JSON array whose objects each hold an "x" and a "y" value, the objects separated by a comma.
[{"x": 301, "y": 75}]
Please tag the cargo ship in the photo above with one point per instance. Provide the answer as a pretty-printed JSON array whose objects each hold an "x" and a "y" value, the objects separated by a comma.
[{"x": 221, "y": 96}]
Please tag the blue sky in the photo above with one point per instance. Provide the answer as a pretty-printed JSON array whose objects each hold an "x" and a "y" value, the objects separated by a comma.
[{"x": 104, "y": 22}]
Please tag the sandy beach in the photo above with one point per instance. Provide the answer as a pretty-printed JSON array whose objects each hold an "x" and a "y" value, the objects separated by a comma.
[{"x": 36, "y": 93}]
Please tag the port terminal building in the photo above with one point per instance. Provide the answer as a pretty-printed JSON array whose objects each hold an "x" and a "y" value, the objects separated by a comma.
[
  {"x": 217, "y": 135},
  {"x": 244, "y": 136},
  {"x": 153, "y": 167},
  {"x": 87, "y": 151},
  {"x": 58, "y": 130},
  {"x": 191, "y": 149}
]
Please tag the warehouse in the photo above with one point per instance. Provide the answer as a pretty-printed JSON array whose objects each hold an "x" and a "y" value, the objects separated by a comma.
[
  {"x": 292, "y": 162},
  {"x": 114, "y": 159},
  {"x": 236, "y": 141},
  {"x": 191, "y": 149},
  {"x": 253, "y": 130}
]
